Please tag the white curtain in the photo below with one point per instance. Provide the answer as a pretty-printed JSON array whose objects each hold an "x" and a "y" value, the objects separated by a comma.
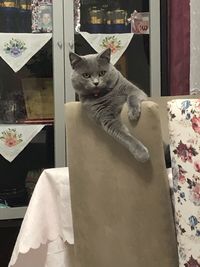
[{"x": 195, "y": 46}]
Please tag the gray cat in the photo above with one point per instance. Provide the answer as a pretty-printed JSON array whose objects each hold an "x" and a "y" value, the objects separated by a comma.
[{"x": 103, "y": 91}]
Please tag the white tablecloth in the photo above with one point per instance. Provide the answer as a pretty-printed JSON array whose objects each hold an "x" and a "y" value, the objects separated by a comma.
[{"x": 46, "y": 237}]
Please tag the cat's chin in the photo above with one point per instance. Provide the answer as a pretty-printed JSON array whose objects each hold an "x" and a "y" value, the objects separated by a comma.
[{"x": 95, "y": 90}]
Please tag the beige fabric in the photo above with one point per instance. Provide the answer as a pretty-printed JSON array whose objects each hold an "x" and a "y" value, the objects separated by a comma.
[{"x": 121, "y": 209}]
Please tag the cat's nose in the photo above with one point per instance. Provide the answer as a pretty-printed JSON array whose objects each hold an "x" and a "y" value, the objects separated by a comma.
[{"x": 96, "y": 83}]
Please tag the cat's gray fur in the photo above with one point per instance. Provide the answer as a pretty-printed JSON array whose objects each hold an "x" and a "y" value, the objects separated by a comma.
[{"x": 103, "y": 91}]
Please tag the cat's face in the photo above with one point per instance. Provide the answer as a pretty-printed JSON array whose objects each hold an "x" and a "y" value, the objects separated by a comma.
[{"x": 92, "y": 73}]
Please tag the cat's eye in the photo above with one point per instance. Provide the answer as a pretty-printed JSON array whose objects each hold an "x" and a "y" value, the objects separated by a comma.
[
  {"x": 86, "y": 75},
  {"x": 102, "y": 73}
]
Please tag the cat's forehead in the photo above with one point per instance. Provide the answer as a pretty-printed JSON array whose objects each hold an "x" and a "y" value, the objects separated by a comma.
[
  {"x": 90, "y": 57},
  {"x": 93, "y": 62}
]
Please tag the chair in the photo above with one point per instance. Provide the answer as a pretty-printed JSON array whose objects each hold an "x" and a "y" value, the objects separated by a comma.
[
  {"x": 122, "y": 212},
  {"x": 162, "y": 103},
  {"x": 184, "y": 125}
]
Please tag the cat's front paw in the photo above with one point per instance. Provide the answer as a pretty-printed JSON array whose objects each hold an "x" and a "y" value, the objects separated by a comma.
[
  {"x": 134, "y": 113},
  {"x": 142, "y": 155}
]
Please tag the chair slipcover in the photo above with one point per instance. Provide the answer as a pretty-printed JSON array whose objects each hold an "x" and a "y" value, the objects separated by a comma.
[
  {"x": 184, "y": 124},
  {"x": 122, "y": 212}
]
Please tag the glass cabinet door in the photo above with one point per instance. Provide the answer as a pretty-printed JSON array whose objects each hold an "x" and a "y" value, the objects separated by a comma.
[
  {"x": 123, "y": 25},
  {"x": 26, "y": 98}
]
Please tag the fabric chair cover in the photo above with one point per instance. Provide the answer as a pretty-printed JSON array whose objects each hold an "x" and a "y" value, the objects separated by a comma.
[
  {"x": 122, "y": 212},
  {"x": 184, "y": 124}
]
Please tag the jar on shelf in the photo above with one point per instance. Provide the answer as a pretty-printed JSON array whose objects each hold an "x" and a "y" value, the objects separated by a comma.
[
  {"x": 109, "y": 22},
  {"x": 1, "y": 14},
  {"x": 25, "y": 16},
  {"x": 10, "y": 3},
  {"x": 9, "y": 13},
  {"x": 25, "y": 4},
  {"x": 120, "y": 21},
  {"x": 96, "y": 20}
]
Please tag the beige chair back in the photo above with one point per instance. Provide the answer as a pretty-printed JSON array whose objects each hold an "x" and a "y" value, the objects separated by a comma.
[{"x": 122, "y": 212}]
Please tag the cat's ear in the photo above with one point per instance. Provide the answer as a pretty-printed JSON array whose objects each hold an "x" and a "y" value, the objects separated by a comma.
[
  {"x": 106, "y": 54},
  {"x": 74, "y": 59}
]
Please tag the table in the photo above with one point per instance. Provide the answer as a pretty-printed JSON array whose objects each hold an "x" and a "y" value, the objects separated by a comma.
[{"x": 46, "y": 236}]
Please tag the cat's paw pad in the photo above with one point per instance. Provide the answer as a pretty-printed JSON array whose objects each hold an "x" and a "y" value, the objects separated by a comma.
[
  {"x": 142, "y": 155},
  {"x": 134, "y": 113}
]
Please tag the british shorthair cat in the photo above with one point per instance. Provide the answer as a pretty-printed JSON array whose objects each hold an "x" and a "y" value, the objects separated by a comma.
[{"x": 103, "y": 90}]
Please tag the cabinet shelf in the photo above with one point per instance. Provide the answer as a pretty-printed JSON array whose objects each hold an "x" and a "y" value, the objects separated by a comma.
[{"x": 12, "y": 213}]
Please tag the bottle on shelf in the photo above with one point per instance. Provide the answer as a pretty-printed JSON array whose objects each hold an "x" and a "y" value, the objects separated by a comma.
[
  {"x": 109, "y": 22},
  {"x": 24, "y": 17},
  {"x": 104, "y": 17},
  {"x": 10, "y": 3},
  {"x": 9, "y": 15},
  {"x": 96, "y": 20},
  {"x": 1, "y": 14},
  {"x": 120, "y": 21}
]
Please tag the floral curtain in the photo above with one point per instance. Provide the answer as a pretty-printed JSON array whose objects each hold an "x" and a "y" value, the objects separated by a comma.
[{"x": 178, "y": 46}]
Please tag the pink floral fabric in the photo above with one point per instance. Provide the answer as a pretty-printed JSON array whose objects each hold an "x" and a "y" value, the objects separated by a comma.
[
  {"x": 10, "y": 137},
  {"x": 184, "y": 127}
]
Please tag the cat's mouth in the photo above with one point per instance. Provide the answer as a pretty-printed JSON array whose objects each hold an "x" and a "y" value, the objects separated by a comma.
[{"x": 96, "y": 92}]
